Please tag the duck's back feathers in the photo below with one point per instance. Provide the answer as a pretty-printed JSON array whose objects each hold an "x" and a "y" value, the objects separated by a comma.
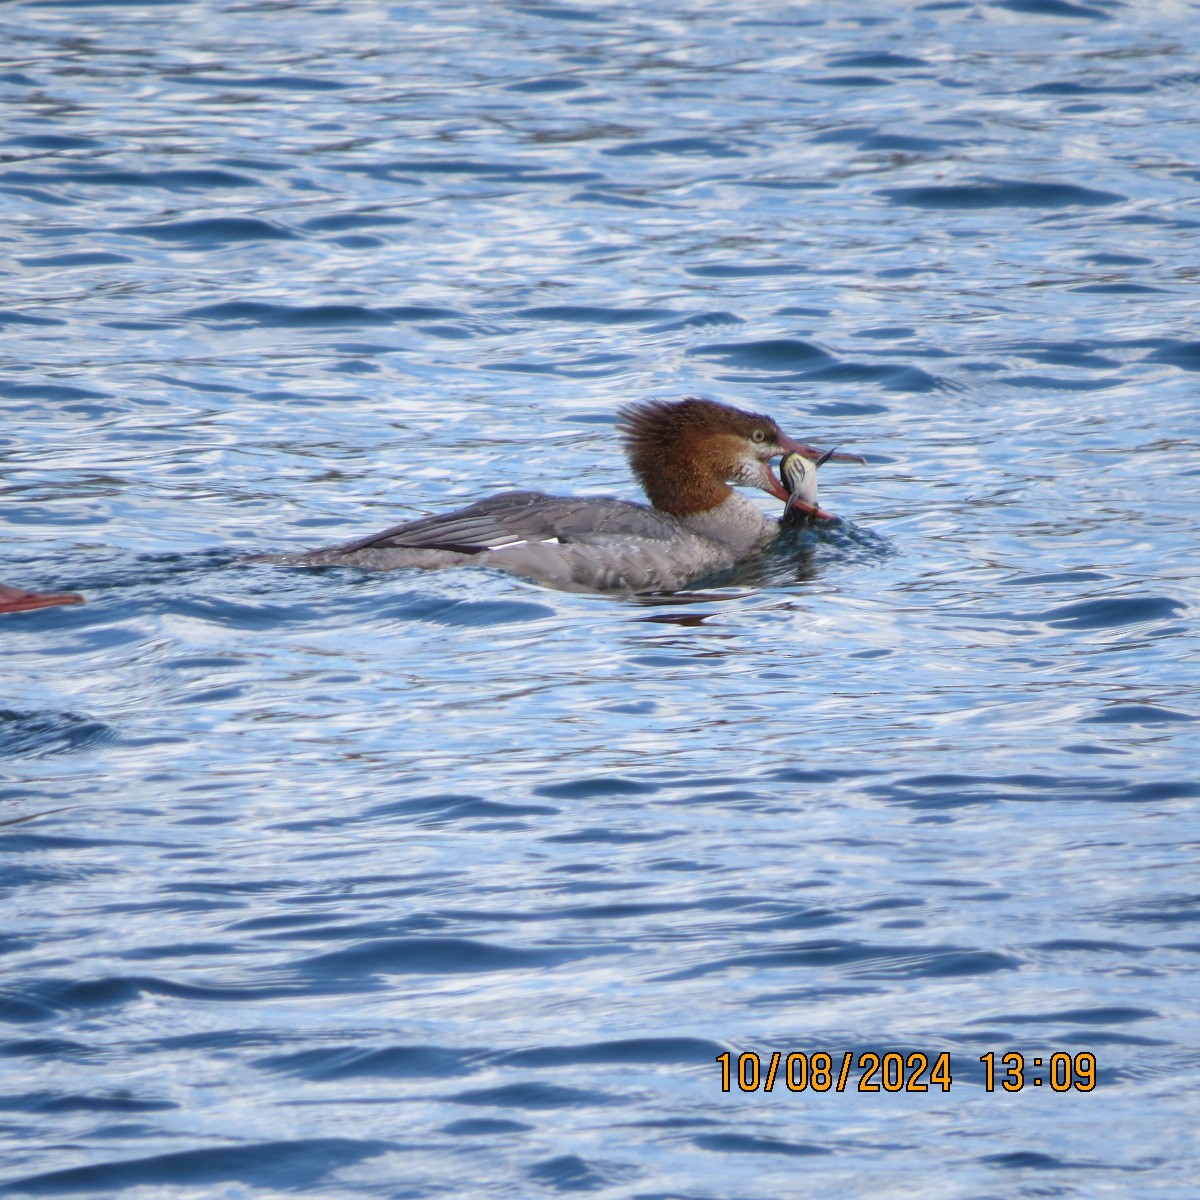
[
  {"x": 511, "y": 518},
  {"x": 575, "y": 543}
]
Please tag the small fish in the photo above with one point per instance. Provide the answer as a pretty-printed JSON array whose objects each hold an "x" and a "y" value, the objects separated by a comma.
[{"x": 799, "y": 476}]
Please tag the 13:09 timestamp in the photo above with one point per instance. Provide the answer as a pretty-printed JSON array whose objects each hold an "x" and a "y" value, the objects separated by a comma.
[{"x": 1062, "y": 1072}]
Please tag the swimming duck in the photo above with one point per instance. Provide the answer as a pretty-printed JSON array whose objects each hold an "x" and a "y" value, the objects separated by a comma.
[{"x": 685, "y": 454}]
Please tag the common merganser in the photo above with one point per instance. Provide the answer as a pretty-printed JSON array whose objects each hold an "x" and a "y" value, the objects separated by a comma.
[
  {"x": 14, "y": 600},
  {"x": 684, "y": 453}
]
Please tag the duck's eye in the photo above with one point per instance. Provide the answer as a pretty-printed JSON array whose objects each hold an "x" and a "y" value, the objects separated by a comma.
[{"x": 759, "y": 436}]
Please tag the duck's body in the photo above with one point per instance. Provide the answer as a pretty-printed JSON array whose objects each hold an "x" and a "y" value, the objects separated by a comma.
[
  {"x": 685, "y": 454},
  {"x": 574, "y": 543}
]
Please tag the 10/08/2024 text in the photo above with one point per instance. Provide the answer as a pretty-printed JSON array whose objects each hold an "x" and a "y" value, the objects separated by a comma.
[{"x": 894, "y": 1071}]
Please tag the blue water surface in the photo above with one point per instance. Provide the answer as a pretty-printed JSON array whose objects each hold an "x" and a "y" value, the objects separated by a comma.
[{"x": 331, "y": 884}]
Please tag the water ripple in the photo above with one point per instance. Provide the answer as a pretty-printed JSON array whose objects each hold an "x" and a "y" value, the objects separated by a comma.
[
  {"x": 276, "y": 1164},
  {"x": 1014, "y": 193}
]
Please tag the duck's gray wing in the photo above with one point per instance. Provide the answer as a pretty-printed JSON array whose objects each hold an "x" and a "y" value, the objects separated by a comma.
[{"x": 513, "y": 518}]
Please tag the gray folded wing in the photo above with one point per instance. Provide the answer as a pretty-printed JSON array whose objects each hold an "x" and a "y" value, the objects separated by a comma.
[
  {"x": 513, "y": 518},
  {"x": 593, "y": 543}
]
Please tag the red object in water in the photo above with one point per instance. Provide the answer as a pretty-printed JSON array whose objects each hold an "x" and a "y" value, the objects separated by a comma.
[{"x": 15, "y": 600}]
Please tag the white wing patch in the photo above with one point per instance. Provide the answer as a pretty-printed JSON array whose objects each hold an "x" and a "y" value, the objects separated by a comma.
[{"x": 550, "y": 541}]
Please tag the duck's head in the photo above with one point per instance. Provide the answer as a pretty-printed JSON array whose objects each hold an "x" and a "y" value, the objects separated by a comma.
[{"x": 686, "y": 453}]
